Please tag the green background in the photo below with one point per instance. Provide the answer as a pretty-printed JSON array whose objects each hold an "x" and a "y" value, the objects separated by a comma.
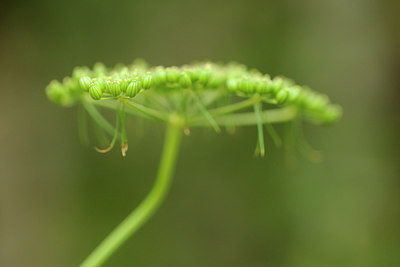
[{"x": 58, "y": 198}]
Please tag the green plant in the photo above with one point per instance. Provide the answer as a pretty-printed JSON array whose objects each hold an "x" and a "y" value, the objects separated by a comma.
[{"x": 196, "y": 95}]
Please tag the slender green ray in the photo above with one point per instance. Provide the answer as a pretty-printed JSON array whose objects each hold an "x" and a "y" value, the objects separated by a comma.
[
  {"x": 115, "y": 137},
  {"x": 274, "y": 134},
  {"x": 98, "y": 118},
  {"x": 305, "y": 149},
  {"x": 260, "y": 148},
  {"x": 124, "y": 139},
  {"x": 205, "y": 113}
]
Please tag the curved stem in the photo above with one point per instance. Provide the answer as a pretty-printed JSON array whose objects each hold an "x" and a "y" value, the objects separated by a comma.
[
  {"x": 148, "y": 206},
  {"x": 98, "y": 118}
]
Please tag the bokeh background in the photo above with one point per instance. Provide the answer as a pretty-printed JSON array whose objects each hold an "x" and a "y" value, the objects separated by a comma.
[{"x": 58, "y": 198}]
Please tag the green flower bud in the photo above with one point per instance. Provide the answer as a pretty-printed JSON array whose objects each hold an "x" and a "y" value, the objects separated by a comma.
[
  {"x": 276, "y": 85},
  {"x": 140, "y": 64},
  {"x": 332, "y": 114},
  {"x": 232, "y": 85},
  {"x": 205, "y": 75},
  {"x": 317, "y": 102},
  {"x": 194, "y": 73},
  {"x": 185, "y": 81},
  {"x": 242, "y": 85},
  {"x": 123, "y": 73},
  {"x": 261, "y": 87},
  {"x": 294, "y": 93},
  {"x": 287, "y": 82},
  {"x": 216, "y": 81},
  {"x": 78, "y": 72},
  {"x": 99, "y": 69},
  {"x": 55, "y": 91},
  {"x": 123, "y": 83},
  {"x": 95, "y": 91},
  {"x": 115, "y": 88},
  {"x": 134, "y": 88},
  {"x": 281, "y": 96},
  {"x": 147, "y": 80},
  {"x": 246, "y": 85},
  {"x": 100, "y": 83},
  {"x": 107, "y": 85},
  {"x": 84, "y": 82},
  {"x": 70, "y": 84},
  {"x": 172, "y": 75},
  {"x": 160, "y": 76},
  {"x": 251, "y": 86}
]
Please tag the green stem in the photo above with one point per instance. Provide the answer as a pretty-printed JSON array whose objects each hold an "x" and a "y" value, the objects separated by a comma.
[
  {"x": 235, "y": 107},
  {"x": 227, "y": 109},
  {"x": 152, "y": 113},
  {"x": 249, "y": 118},
  {"x": 115, "y": 137},
  {"x": 98, "y": 118},
  {"x": 260, "y": 130},
  {"x": 135, "y": 108},
  {"x": 149, "y": 205},
  {"x": 205, "y": 113},
  {"x": 274, "y": 135}
]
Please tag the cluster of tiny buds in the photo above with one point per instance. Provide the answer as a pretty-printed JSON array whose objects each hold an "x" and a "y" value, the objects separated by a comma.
[
  {"x": 127, "y": 86},
  {"x": 128, "y": 81},
  {"x": 285, "y": 91}
]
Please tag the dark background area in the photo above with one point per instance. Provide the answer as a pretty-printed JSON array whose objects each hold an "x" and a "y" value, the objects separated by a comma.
[{"x": 58, "y": 199}]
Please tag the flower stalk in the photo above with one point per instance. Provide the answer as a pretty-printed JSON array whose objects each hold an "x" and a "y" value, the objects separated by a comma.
[
  {"x": 150, "y": 204},
  {"x": 201, "y": 94}
]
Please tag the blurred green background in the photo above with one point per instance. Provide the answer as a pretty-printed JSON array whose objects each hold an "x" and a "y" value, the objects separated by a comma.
[{"x": 58, "y": 199}]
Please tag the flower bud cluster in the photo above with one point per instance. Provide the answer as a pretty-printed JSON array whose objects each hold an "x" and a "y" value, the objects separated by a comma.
[
  {"x": 129, "y": 81},
  {"x": 285, "y": 91}
]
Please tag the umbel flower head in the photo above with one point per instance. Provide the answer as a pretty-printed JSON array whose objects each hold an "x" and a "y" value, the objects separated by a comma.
[
  {"x": 204, "y": 93},
  {"x": 199, "y": 94}
]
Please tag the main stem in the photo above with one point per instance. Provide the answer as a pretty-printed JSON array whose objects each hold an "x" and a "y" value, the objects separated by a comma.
[{"x": 149, "y": 205}]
